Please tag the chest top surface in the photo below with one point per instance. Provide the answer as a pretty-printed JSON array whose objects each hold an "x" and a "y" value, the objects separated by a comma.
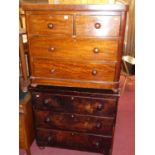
[{"x": 119, "y": 5}]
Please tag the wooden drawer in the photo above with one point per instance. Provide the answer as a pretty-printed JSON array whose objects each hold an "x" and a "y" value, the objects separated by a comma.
[
  {"x": 97, "y": 26},
  {"x": 50, "y": 24},
  {"x": 69, "y": 70},
  {"x": 74, "y": 140},
  {"x": 74, "y": 104},
  {"x": 74, "y": 122},
  {"x": 79, "y": 49}
]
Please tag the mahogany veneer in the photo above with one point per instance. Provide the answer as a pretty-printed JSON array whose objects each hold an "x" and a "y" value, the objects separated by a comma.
[{"x": 71, "y": 48}]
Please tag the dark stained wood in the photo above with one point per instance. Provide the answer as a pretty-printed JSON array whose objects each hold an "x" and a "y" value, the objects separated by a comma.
[
  {"x": 74, "y": 122},
  {"x": 74, "y": 140},
  {"x": 77, "y": 104}
]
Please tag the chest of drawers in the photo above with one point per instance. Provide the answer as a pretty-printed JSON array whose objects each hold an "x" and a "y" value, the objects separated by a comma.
[
  {"x": 75, "y": 57},
  {"x": 82, "y": 119}
]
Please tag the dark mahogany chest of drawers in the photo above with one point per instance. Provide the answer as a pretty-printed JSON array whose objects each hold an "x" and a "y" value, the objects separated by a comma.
[
  {"x": 74, "y": 118},
  {"x": 74, "y": 58}
]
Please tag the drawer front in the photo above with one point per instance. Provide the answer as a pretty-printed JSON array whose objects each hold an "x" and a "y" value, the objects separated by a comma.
[
  {"x": 100, "y": 26},
  {"x": 69, "y": 70},
  {"x": 50, "y": 24},
  {"x": 74, "y": 104},
  {"x": 73, "y": 140},
  {"x": 80, "y": 49},
  {"x": 73, "y": 122}
]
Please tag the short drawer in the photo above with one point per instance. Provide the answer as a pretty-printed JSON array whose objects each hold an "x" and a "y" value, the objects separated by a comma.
[
  {"x": 79, "y": 49},
  {"x": 74, "y": 122},
  {"x": 69, "y": 70},
  {"x": 50, "y": 24},
  {"x": 100, "y": 26},
  {"x": 74, "y": 104},
  {"x": 74, "y": 140}
]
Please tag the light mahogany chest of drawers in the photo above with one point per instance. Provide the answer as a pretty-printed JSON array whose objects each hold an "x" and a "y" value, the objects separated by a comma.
[{"x": 71, "y": 48}]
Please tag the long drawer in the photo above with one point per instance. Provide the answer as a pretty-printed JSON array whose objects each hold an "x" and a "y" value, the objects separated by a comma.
[
  {"x": 74, "y": 49},
  {"x": 72, "y": 70},
  {"x": 74, "y": 122},
  {"x": 74, "y": 140},
  {"x": 74, "y": 104}
]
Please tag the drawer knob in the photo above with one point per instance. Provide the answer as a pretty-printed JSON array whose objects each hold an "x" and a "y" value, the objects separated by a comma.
[
  {"x": 99, "y": 107},
  {"x": 46, "y": 101},
  {"x": 49, "y": 138},
  {"x": 72, "y": 134},
  {"x": 98, "y": 125},
  {"x": 50, "y": 25},
  {"x": 52, "y": 70},
  {"x": 37, "y": 95},
  {"x": 51, "y": 49},
  {"x": 94, "y": 72},
  {"x": 97, "y": 144},
  {"x": 97, "y": 25},
  {"x": 47, "y": 119},
  {"x": 96, "y": 50},
  {"x": 72, "y": 98},
  {"x": 72, "y": 116}
]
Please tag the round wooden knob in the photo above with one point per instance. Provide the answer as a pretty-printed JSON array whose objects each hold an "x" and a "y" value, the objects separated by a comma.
[
  {"x": 72, "y": 98},
  {"x": 37, "y": 95},
  {"x": 46, "y": 101},
  {"x": 49, "y": 138},
  {"x": 94, "y": 72},
  {"x": 47, "y": 119},
  {"x": 72, "y": 116},
  {"x": 98, "y": 125},
  {"x": 52, "y": 70},
  {"x": 51, "y": 49},
  {"x": 72, "y": 134},
  {"x": 96, "y": 50},
  {"x": 50, "y": 25},
  {"x": 97, "y": 25},
  {"x": 99, "y": 107},
  {"x": 97, "y": 144}
]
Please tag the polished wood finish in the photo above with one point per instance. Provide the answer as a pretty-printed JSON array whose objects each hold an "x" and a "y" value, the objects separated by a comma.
[
  {"x": 81, "y": 49},
  {"x": 74, "y": 140},
  {"x": 90, "y": 114},
  {"x": 75, "y": 47},
  {"x": 77, "y": 122},
  {"x": 103, "y": 106},
  {"x": 26, "y": 128},
  {"x": 92, "y": 40},
  {"x": 97, "y": 26},
  {"x": 50, "y": 24},
  {"x": 73, "y": 70}
]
